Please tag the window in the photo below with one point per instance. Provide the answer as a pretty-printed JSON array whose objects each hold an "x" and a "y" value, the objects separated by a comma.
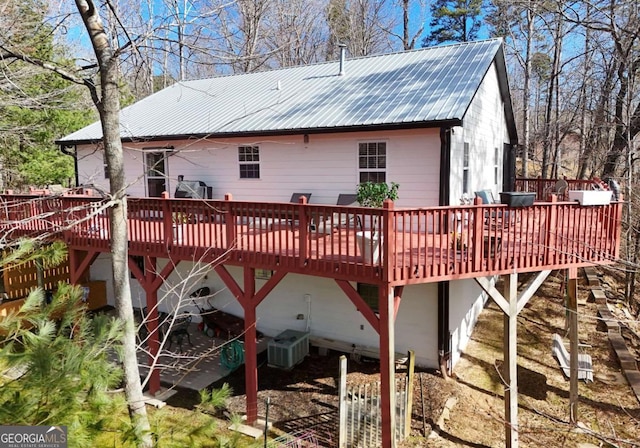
[
  {"x": 156, "y": 172},
  {"x": 369, "y": 294},
  {"x": 249, "y": 160},
  {"x": 263, "y": 274},
  {"x": 465, "y": 169},
  {"x": 372, "y": 162},
  {"x": 496, "y": 166},
  {"x": 139, "y": 261}
]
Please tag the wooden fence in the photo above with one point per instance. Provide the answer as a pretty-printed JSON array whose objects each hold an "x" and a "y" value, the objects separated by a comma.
[{"x": 360, "y": 413}]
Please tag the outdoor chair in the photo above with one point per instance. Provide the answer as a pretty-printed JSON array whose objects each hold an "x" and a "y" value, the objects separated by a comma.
[
  {"x": 492, "y": 217},
  {"x": 486, "y": 196},
  {"x": 295, "y": 197},
  {"x": 273, "y": 223},
  {"x": 177, "y": 329},
  {"x": 330, "y": 223},
  {"x": 585, "y": 364}
]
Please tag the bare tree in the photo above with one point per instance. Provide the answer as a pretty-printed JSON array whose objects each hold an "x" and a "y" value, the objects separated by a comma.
[
  {"x": 411, "y": 11},
  {"x": 108, "y": 104},
  {"x": 359, "y": 24},
  {"x": 516, "y": 23},
  {"x": 295, "y": 35}
]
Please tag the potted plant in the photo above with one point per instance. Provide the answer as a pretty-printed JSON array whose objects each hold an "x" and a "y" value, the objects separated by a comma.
[
  {"x": 458, "y": 241},
  {"x": 370, "y": 194},
  {"x": 179, "y": 219}
]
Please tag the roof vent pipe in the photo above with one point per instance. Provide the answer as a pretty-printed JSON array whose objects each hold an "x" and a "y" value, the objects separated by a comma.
[{"x": 343, "y": 51}]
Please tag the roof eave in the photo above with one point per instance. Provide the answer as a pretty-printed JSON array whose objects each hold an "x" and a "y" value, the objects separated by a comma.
[
  {"x": 505, "y": 92},
  {"x": 326, "y": 130}
]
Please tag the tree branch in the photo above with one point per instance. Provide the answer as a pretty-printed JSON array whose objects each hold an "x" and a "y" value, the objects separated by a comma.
[{"x": 64, "y": 74}]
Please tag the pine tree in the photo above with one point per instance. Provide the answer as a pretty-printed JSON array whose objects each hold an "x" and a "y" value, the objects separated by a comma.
[
  {"x": 58, "y": 367},
  {"x": 453, "y": 21},
  {"x": 35, "y": 107}
]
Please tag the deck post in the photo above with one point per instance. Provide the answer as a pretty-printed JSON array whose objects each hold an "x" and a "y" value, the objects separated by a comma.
[
  {"x": 477, "y": 234},
  {"x": 167, "y": 219},
  {"x": 572, "y": 308},
  {"x": 250, "y": 349},
  {"x": 303, "y": 229},
  {"x": 230, "y": 221},
  {"x": 150, "y": 265},
  {"x": 386, "y": 298},
  {"x": 551, "y": 231},
  {"x": 511, "y": 361},
  {"x": 75, "y": 262},
  {"x": 342, "y": 403}
]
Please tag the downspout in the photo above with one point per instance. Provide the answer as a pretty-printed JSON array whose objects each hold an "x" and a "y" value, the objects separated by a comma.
[
  {"x": 64, "y": 149},
  {"x": 444, "y": 338}
]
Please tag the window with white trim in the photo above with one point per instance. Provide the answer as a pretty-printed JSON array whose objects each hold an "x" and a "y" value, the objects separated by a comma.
[
  {"x": 372, "y": 162},
  {"x": 249, "y": 162},
  {"x": 465, "y": 168},
  {"x": 156, "y": 171}
]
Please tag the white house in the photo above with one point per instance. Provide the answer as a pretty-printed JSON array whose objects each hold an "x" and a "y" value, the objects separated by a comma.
[{"x": 437, "y": 121}]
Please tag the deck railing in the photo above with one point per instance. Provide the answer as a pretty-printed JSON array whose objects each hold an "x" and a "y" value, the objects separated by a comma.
[
  {"x": 543, "y": 188},
  {"x": 402, "y": 246}
]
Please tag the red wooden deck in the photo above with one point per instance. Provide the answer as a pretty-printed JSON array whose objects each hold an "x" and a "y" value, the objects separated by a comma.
[{"x": 417, "y": 246}]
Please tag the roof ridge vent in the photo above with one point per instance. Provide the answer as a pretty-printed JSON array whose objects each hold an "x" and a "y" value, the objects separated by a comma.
[{"x": 343, "y": 51}]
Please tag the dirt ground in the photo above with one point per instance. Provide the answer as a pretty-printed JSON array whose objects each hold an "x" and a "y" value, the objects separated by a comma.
[{"x": 305, "y": 398}]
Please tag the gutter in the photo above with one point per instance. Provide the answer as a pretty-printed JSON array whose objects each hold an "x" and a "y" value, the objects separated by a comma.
[
  {"x": 270, "y": 132},
  {"x": 444, "y": 337},
  {"x": 65, "y": 150}
]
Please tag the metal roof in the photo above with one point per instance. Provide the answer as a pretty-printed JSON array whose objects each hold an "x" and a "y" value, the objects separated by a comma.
[{"x": 418, "y": 87}]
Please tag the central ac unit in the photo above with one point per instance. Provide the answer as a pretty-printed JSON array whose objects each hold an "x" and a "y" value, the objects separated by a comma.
[{"x": 288, "y": 349}]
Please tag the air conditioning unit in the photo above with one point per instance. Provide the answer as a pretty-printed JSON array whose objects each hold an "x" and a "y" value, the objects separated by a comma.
[{"x": 288, "y": 349}]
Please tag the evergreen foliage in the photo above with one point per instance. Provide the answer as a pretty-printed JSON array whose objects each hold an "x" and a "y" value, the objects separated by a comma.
[
  {"x": 35, "y": 107},
  {"x": 63, "y": 365},
  {"x": 454, "y": 21}
]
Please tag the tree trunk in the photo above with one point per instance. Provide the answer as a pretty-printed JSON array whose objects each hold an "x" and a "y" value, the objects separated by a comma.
[
  {"x": 555, "y": 71},
  {"x": 109, "y": 109},
  {"x": 405, "y": 24},
  {"x": 526, "y": 130}
]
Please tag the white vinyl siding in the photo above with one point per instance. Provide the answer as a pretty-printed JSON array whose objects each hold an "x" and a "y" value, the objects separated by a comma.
[
  {"x": 326, "y": 166},
  {"x": 484, "y": 129}
]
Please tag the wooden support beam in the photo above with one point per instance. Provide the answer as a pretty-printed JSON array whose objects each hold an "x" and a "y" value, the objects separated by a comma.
[
  {"x": 268, "y": 287},
  {"x": 386, "y": 300},
  {"x": 511, "y": 303},
  {"x": 572, "y": 305},
  {"x": 151, "y": 281},
  {"x": 490, "y": 289},
  {"x": 360, "y": 304},
  {"x": 511, "y": 361},
  {"x": 411, "y": 366},
  {"x": 153, "y": 340},
  {"x": 159, "y": 279},
  {"x": 250, "y": 299},
  {"x": 398, "y": 290},
  {"x": 78, "y": 264},
  {"x": 229, "y": 281},
  {"x": 250, "y": 346},
  {"x": 530, "y": 288}
]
